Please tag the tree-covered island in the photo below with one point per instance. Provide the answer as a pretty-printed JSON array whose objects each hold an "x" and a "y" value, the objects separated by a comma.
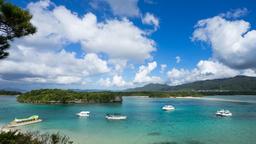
[
  {"x": 59, "y": 96},
  {"x": 55, "y": 96}
]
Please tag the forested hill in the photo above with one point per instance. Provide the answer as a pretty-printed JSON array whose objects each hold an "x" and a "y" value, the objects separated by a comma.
[
  {"x": 238, "y": 83},
  {"x": 152, "y": 87}
]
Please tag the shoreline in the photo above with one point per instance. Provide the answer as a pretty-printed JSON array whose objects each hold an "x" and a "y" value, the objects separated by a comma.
[
  {"x": 6, "y": 129},
  {"x": 185, "y": 97},
  {"x": 217, "y": 99}
]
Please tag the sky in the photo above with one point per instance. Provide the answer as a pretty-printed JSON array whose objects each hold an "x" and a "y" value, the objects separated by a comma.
[{"x": 119, "y": 44}]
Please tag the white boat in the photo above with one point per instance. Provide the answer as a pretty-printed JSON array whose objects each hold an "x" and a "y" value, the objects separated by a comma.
[
  {"x": 224, "y": 113},
  {"x": 29, "y": 119},
  {"x": 168, "y": 108},
  {"x": 25, "y": 121},
  {"x": 115, "y": 117},
  {"x": 83, "y": 114}
]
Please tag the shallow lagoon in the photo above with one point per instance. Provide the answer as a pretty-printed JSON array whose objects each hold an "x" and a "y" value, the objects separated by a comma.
[{"x": 193, "y": 121}]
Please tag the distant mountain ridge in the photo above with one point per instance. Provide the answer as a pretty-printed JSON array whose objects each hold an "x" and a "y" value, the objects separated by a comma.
[
  {"x": 152, "y": 87},
  {"x": 238, "y": 83}
]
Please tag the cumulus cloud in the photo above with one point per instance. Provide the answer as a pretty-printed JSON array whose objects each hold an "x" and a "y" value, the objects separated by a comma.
[
  {"x": 57, "y": 26},
  {"x": 117, "y": 38},
  {"x": 150, "y": 19},
  {"x": 233, "y": 42},
  {"x": 116, "y": 81},
  {"x": 143, "y": 75},
  {"x": 204, "y": 70},
  {"x": 236, "y": 13},
  {"x": 48, "y": 35},
  {"x": 163, "y": 67},
  {"x": 127, "y": 8},
  {"x": 28, "y": 65},
  {"x": 119, "y": 65},
  {"x": 42, "y": 58},
  {"x": 121, "y": 40},
  {"x": 178, "y": 59}
]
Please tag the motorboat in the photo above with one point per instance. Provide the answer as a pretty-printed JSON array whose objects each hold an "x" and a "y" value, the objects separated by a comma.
[
  {"x": 83, "y": 114},
  {"x": 168, "y": 108},
  {"x": 29, "y": 119},
  {"x": 115, "y": 117},
  {"x": 223, "y": 113}
]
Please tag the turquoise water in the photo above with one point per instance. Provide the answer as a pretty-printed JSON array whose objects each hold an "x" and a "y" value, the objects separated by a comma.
[{"x": 193, "y": 121}]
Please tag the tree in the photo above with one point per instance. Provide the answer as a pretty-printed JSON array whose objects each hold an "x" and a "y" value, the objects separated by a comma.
[
  {"x": 17, "y": 137},
  {"x": 14, "y": 23}
]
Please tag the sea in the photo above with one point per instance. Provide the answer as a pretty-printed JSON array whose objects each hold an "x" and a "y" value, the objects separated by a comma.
[{"x": 192, "y": 122}]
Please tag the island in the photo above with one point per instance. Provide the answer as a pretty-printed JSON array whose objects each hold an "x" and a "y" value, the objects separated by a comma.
[
  {"x": 60, "y": 96},
  {"x": 57, "y": 96}
]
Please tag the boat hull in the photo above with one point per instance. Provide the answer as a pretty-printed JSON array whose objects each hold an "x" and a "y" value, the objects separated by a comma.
[
  {"x": 15, "y": 124},
  {"x": 223, "y": 115},
  {"x": 116, "y": 118},
  {"x": 83, "y": 115},
  {"x": 168, "y": 109}
]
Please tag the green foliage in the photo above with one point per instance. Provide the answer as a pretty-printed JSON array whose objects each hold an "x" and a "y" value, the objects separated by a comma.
[
  {"x": 14, "y": 23},
  {"x": 67, "y": 96},
  {"x": 15, "y": 137}
]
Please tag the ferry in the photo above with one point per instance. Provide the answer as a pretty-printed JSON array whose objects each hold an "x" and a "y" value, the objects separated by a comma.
[
  {"x": 25, "y": 121},
  {"x": 83, "y": 114},
  {"x": 223, "y": 113},
  {"x": 115, "y": 117},
  {"x": 168, "y": 108}
]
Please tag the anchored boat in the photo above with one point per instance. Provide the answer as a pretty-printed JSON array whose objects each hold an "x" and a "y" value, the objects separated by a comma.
[
  {"x": 24, "y": 121},
  {"x": 83, "y": 114},
  {"x": 116, "y": 117},
  {"x": 168, "y": 108},
  {"x": 223, "y": 113}
]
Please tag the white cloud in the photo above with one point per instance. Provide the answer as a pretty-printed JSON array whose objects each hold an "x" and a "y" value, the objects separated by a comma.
[
  {"x": 163, "y": 67},
  {"x": 249, "y": 72},
  {"x": 150, "y": 19},
  {"x": 57, "y": 26},
  {"x": 143, "y": 75},
  {"x": 205, "y": 70},
  {"x": 232, "y": 41},
  {"x": 119, "y": 39},
  {"x": 236, "y": 13},
  {"x": 178, "y": 59},
  {"x": 116, "y": 81},
  {"x": 42, "y": 58},
  {"x": 127, "y": 8},
  {"x": 28, "y": 65},
  {"x": 48, "y": 35},
  {"x": 119, "y": 65}
]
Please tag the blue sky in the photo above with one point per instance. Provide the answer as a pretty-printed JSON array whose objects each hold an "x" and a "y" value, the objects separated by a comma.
[{"x": 132, "y": 43}]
